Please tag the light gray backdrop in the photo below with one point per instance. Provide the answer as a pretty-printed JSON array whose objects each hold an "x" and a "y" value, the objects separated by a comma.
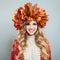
[{"x": 8, "y": 32}]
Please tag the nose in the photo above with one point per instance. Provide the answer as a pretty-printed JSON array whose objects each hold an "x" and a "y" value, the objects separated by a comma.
[{"x": 31, "y": 26}]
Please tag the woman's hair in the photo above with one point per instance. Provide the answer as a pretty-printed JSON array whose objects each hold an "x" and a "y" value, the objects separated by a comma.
[{"x": 39, "y": 39}]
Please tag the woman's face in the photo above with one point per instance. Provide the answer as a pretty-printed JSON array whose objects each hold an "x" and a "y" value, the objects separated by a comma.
[{"x": 31, "y": 27}]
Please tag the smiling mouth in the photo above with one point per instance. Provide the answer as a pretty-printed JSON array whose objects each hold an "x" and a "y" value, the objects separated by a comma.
[{"x": 31, "y": 30}]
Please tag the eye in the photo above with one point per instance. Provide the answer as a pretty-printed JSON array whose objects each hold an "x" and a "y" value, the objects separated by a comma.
[
  {"x": 34, "y": 23},
  {"x": 27, "y": 24}
]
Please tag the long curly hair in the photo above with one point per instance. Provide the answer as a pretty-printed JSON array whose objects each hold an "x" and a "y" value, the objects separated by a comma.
[{"x": 39, "y": 39}]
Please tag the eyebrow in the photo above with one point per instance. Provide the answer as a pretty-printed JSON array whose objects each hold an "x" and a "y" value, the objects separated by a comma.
[
  {"x": 34, "y": 23},
  {"x": 27, "y": 23}
]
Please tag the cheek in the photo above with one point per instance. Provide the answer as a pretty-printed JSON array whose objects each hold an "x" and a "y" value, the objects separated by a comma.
[
  {"x": 27, "y": 28},
  {"x": 35, "y": 28}
]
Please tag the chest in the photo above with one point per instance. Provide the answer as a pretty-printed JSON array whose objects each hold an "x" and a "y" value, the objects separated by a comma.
[{"x": 32, "y": 52}]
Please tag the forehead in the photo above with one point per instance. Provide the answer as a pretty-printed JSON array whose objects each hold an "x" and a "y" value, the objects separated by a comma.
[{"x": 32, "y": 22}]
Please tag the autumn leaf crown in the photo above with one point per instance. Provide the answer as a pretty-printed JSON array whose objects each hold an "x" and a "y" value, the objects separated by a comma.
[{"x": 28, "y": 13}]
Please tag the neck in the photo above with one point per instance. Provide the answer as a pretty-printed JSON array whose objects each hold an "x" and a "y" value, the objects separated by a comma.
[{"x": 31, "y": 38}]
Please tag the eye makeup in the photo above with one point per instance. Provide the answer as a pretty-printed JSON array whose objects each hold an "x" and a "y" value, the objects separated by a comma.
[
  {"x": 34, "y": 23},
  {"x": 27, "y": 24}
]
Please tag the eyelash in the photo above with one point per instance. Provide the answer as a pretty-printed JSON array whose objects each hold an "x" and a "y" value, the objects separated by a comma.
[
  {"x": 29, "y": 24},
  {"x": 34, "y": 24}
]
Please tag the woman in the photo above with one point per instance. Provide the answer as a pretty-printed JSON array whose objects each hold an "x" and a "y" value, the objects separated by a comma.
[{"x": 30, "y": 43}]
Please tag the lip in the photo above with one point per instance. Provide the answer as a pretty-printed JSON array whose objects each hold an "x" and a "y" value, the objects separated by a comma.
[{"x": 31, "y": 30}]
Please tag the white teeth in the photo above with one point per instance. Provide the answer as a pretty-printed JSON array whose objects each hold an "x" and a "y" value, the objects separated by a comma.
[{"x": 31, "y": 30}]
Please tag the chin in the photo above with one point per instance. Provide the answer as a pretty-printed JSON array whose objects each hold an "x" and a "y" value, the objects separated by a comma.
[{"x": 31, "y": 34}]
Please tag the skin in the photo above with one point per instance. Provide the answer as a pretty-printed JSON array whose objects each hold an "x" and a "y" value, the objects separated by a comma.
[{"x": 31, "y": 27}]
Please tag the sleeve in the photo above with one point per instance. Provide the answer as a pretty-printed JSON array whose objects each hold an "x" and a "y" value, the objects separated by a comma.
[
  {"x": 48, "y": 50},
  {"x": 14, "y": 51}
]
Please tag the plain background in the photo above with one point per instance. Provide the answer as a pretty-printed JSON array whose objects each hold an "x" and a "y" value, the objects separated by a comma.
[{"x": 8, "y": 32}]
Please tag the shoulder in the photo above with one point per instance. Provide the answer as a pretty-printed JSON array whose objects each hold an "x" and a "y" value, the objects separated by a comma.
[
  {"x": 47, "y": 45},
  {"x": 47, "y": 41},
  {"x": 14, "y": 50},
  {"x": 15, "y": 43},
  {"x": 48, "y": 48}
]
